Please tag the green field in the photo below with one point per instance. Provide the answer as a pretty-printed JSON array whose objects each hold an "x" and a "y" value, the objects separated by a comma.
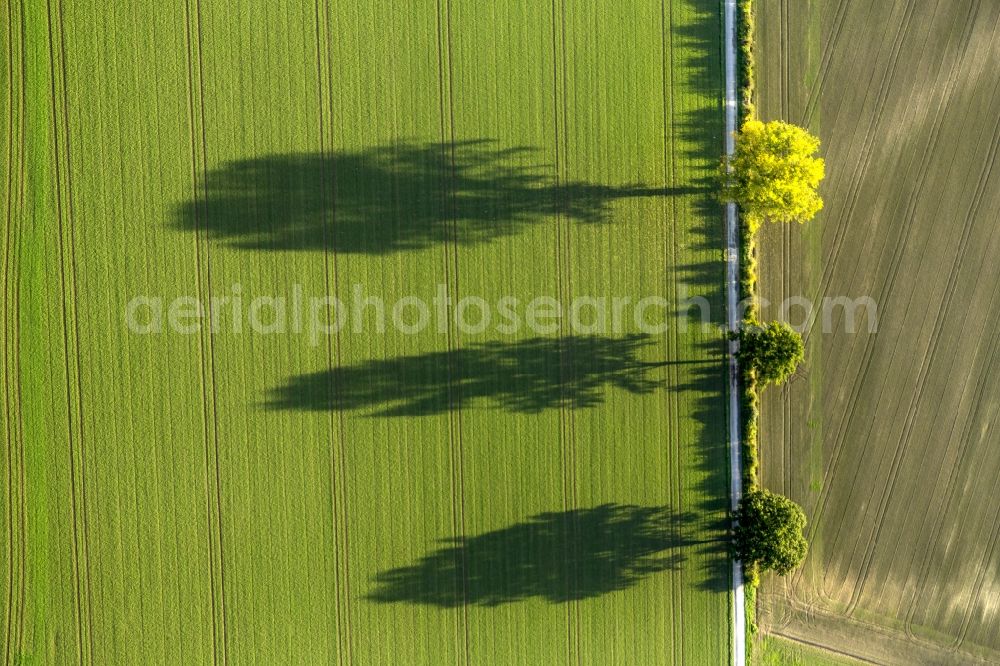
[
  {"x": 889, "y": 439},
  {"x": 779, "y": 652},
  {"x": 238, "y": 496}
]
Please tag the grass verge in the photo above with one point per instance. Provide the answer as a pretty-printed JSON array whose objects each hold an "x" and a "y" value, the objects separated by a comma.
[{"x": 750, "y": 397}]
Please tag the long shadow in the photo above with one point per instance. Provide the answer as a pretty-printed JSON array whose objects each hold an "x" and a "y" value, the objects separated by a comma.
[
  {"x": 392, "y": 198},
  {"x": 556, "y": 557},
  {"x": 523, "y": 376}
]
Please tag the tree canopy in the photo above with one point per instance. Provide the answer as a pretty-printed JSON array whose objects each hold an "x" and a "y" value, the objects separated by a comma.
[
  {"x": 772, "y": 351},
  {"x": 774, "y": 173},
  {"x": 769, "y": 532}
]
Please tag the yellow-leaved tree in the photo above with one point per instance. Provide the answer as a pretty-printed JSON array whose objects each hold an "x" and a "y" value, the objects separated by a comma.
[{"x": 774, "y": 173}]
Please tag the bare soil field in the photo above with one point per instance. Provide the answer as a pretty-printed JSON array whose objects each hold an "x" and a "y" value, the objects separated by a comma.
[{"x": 888, "y": 438}]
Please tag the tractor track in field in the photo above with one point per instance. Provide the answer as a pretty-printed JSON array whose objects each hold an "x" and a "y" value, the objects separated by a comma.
[
  {"x": 564, "y": 455},
  {"x": 946, "y": 45},
  {"x": 335, "y": 423},
  {"x": 886, "y": 286},
  {"x": 981, "y": 189},
  {"x": 567, "y": 424},
  {"x": 983, "y": 569},
  {"x": 70, "y": 297},
  {"x": 971, "y": 215},
  {"x": 897, "y": 455},
  {"x": 868, "y": 151},
  {"x": 673, "y": 449},
  {"x": 868, "y": 146},
  {"x": 17, "y": 333},
  {"x": 11, "y": 371},
  {"x": 955, "y": 468},
  {"x": 565, "y": 277},
  {"x": 826, "y": 57},
  {"x": 451, "y": 269},
  {"x": 213, "y": 492},
  {"x": 960, "y": 456}
]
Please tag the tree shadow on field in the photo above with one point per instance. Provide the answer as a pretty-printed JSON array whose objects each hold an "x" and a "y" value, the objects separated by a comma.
[
  {"x": 556, "y": 557},
  {"x": 525, "y": 376},
  {"x": 391, "y": 198}
]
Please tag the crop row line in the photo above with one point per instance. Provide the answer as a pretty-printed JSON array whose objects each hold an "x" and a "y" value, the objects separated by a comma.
[
  {"x": 338, "y": 450},
  {"x": 673, "y": 457},
  {"x": 213, "y": 475},
  {"x": 70, "y": 326},
  {"x": 451, "y": 269},
  {"x": 17, "y": 563},
  {"x": 564, "y": 282}
]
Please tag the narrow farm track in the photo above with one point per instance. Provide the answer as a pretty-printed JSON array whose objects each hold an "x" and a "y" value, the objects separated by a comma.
[{"x": 739, "y": 648}]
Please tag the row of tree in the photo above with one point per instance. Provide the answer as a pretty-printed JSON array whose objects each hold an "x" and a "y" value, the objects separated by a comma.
[{"x": 773, "y": 176}]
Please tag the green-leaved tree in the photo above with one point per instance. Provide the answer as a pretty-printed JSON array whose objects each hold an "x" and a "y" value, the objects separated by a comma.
[
  {"x": 774, "y": 173},
  {"x": 772, "y": 351},
  {"x": 769, "y": 532}
]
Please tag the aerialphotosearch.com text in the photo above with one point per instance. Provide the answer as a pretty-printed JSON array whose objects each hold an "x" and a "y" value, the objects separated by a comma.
[{"x": 361, "y": 312}]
